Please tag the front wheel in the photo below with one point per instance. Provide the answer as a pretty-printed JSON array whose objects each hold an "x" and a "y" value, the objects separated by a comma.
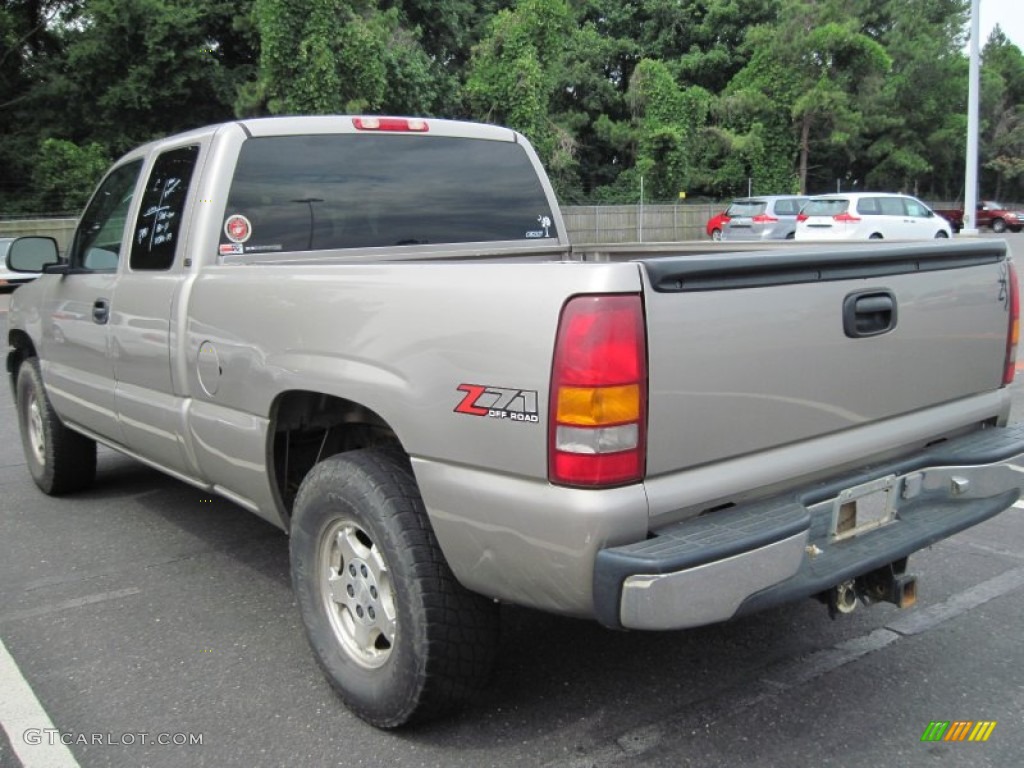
[
  {"x": 941, "y": 234},
  {"x": 716, "y": 235},
  {"x": 398, "y": 637},
  {"x": 998, "y": 226},
  {"x": 59, "y": 459}
]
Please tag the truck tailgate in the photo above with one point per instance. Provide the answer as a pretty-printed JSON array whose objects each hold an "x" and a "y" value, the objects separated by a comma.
[{"x": 750, "y": 351}]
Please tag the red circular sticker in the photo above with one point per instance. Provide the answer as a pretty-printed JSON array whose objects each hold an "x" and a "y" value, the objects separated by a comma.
[{"x": 237, "y": 228}]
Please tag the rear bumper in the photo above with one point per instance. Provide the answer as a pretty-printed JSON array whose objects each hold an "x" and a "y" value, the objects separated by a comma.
[{"x": 743, "y": 559}]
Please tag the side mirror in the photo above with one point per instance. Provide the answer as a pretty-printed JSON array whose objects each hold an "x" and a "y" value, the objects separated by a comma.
[{"x": 32, "y": 254}]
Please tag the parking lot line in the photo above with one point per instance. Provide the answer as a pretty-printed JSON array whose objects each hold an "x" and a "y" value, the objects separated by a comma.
[{"x": 29, "y": 729}]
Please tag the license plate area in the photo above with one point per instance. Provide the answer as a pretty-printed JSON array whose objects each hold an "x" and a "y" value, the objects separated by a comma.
[{"x": 863, "y": 508}]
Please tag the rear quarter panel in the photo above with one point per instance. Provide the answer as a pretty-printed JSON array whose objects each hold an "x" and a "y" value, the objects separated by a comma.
[{"x": 399, "y": 339}]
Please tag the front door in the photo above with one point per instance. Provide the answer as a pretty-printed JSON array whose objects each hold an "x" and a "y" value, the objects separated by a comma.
[{"x": 77, "y": 364}]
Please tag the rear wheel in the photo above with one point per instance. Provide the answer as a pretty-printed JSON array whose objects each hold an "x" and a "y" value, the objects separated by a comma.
[
  {"x": 716, "y": 234},
  {"x": 875, "y": 236},
  {"x": 941, "y": 234},
  {"x": 398, "y": 637},
  {"x": 59, "y": 459},
  {"x": 998, "y": 225}
]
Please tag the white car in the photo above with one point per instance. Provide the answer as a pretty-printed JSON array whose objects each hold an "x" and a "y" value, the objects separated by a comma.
[{"x": 869, "y": 216}]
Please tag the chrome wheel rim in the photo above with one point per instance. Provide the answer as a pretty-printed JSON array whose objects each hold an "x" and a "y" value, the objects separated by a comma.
[
  {"x": 357, "y": 593},
  {"x": 36, "y": 434}
]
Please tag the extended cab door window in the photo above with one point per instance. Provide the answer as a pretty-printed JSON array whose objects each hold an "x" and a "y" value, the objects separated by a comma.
[
  {"x": 97, "y": 244},
  {"x": 158, "y": 226}
]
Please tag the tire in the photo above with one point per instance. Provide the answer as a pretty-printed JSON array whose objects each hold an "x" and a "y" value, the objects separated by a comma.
[
  {"x": 60, "y": 460},
  {"x": 875, "y": 236},
  {"x": 716, "y": 235},
  {"x": 998, "y": 226},
  {"x": 941, "y": 235},
  {"x": 397, "y": 636}
]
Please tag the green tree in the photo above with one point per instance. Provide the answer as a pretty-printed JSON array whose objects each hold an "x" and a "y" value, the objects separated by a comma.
[
  {"x": 816, "y": 65},
  {"x": 28, "y": 43},
  {"x": 915, "y": 133},
  {"x": 65, "y": 174},
  {"x": 1002, "y": 107},
  {"x": 514, "y": 73},
  {"x": 335, "y": 56}
]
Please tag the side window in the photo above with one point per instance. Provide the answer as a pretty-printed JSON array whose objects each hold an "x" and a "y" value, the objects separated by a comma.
[
  {"x": 914, "y": 208},
  {"x": 868, "y": 206},
  {"x": 891, "y": 206},
  {"x": 158, "y": 228},
  {"x": 97, "y": 243}
]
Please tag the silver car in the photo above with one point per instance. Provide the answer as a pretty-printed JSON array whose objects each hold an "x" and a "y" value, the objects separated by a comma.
[{"x": 768, "y": 217}]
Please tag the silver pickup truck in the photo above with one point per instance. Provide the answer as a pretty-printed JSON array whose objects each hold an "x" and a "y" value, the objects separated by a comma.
[{"x": 374, "y": 333}]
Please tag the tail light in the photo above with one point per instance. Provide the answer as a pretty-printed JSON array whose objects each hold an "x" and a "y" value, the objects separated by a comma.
[
  {"x": 845, "y": 218},
  {"x": 802, "y": 217},
  {"x": 763, "y": 218},
  {"x": 598, "y": 414},
  {"x": 1013, "y": 329},
  {"x": 399, "y": 124}
]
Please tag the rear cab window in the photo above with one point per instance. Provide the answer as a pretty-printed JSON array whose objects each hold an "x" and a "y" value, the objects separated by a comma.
[{"x": 318, "y": 192}]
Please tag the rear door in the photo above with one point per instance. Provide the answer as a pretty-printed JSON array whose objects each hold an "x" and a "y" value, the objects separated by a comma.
[{"x": 149, "y": 409}]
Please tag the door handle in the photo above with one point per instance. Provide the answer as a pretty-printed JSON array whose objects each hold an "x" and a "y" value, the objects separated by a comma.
[
  {"x": 869, "y": 313},
  {"x": 100, "y": 311}
]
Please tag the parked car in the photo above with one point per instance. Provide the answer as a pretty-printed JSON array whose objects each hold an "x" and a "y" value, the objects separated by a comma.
[
  {"x": 770, "y": 217},
  {"x": 9, "y": 279},
  {"x": 996, "y": 216},
  {"x": 869, "y": 216},
  {"x": 715, "y": 225}
]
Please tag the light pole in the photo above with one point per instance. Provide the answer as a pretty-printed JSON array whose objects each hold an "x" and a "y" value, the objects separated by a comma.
[{"x": 971, "y": 175}]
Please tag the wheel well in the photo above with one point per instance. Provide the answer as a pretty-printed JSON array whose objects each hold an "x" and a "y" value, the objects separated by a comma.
[{"x": 307, "y": 427}]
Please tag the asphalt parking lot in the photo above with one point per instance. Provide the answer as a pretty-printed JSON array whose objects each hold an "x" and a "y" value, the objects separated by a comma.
[{"x": 144, "y": 612}]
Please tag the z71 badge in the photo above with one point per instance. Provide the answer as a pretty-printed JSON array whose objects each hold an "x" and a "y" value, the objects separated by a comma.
[{"x": 498, "y": 403}]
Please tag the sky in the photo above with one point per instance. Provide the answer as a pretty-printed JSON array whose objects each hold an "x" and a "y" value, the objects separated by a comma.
[{"x": 1009, "y": 14}]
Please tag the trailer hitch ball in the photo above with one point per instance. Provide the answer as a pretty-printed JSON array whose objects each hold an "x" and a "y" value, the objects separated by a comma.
[{"x": 842, "y": 598}]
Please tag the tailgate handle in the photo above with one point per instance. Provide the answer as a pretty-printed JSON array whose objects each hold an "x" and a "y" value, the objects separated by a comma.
[{"x": 869, "y": 313}]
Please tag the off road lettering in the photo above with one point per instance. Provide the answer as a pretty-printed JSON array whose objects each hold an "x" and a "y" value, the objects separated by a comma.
[{"x": 498, "y": 402}]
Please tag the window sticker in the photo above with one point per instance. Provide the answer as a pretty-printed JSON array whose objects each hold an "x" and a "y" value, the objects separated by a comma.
[
  {"x": 545, "y": 222},
  {"x": 231, "y": 249},
  {"x": 238, "y": 228}
]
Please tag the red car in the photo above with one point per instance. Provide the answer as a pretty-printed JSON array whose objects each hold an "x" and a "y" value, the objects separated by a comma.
[
  {"x": 990, "y": 214},
  {"x": 715, "y": 224}
]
